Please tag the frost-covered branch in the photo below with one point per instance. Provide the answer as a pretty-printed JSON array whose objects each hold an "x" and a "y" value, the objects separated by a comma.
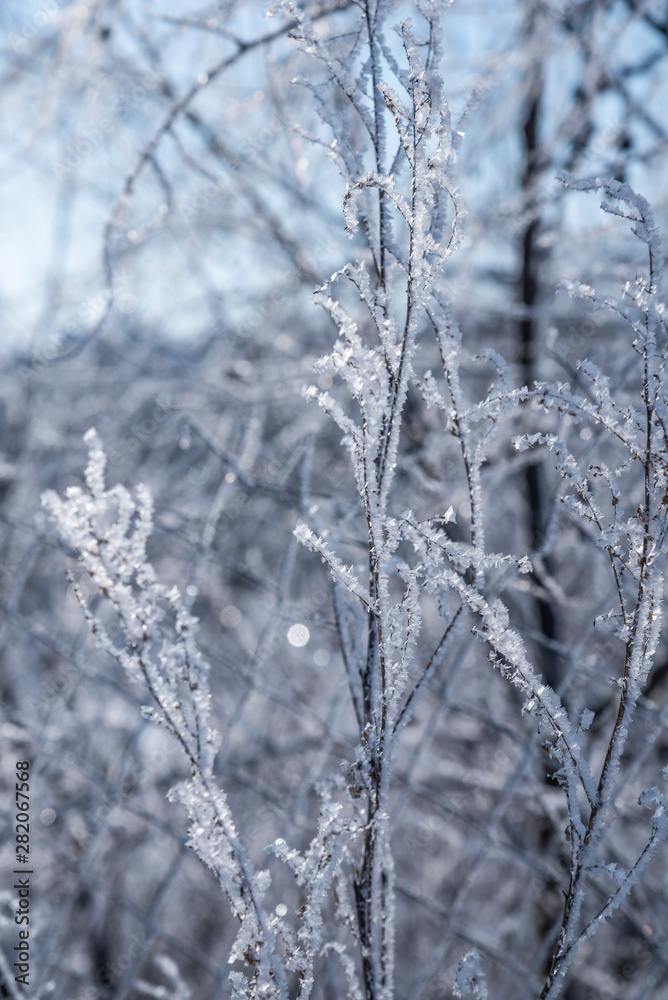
[{"x": 109, "y": 531}]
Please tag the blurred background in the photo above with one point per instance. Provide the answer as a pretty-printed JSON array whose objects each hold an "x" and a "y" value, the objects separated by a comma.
[{"x": 169, "y": 201}]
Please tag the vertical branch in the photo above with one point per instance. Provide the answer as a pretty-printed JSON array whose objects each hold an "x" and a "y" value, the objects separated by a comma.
[
  {"x": 529, "y": 290},
  {"x": 642, "y": 627},
  {"x": 378, "y": 379},
  {"x": 378, "y": 135}
]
